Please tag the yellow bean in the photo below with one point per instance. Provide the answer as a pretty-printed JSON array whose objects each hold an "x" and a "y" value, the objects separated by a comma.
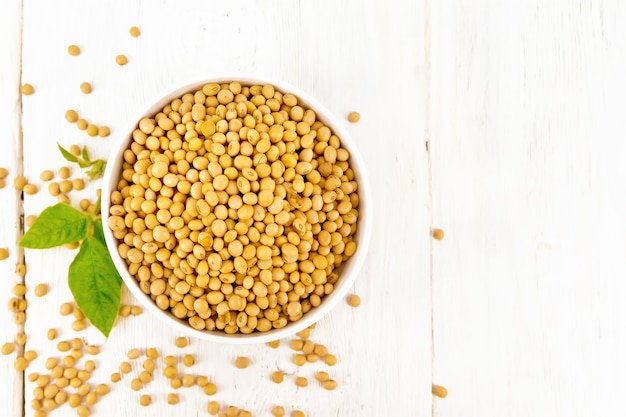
[
  {"x": 8, "y": 348},
  {"x": 210, "y": 389},
  {"x": 278, "y": 411},
  {"x": 242, "y": 362},
  {"x": 27, "y": 89},
  {"x": 20, "y": 363},
  {"x": 440, "y": 391},
  {"x": 277, "y": 377},
  {"x": 104, "y": 131},
  {"x": 354, "y": 117},
  {"x": 145, "y": 400},
  {"x": 181, "y": 342},
  {"x": 121, "y": 59},
  {"x": 354, "y": 300},
  {"x": 41, "y": 290},
  {"x": 86, "y": 88},
  {"x": 73, "y": 50},
  {"x": 329, "y": 384},
  {"x": 213, "y": 408}
]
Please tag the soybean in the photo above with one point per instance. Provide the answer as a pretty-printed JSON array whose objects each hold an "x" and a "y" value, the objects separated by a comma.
[
  {"x": 41, "y": 290},
  {"x": 322, "y": 376},
  {"x": 210, "y": 389},
  {"x": 125, "y": 367},
  {"x": 354, "y": 117},
  {"x": 86, "y": 88},
  {"x": 46, "y": 175},
  {"x": 277, "y": 377},
  {"x": 242, "y": 362},
  {"x": 213, "y": 407},
  {"x": 145, "y": 400},
  {"x": 188, "y": 360},
  {"x": 73, "y": 50},
  {"x": 27, "y": 89},
  {"x": 8, "y": 348},
  {"x": 181, "y": 342},
  {"x": 330, "y": 360},
  {"x": 121, "y": 59},
  {"x": 66, "y": 309},
  {"x": 354, "y": 300},
  {"x": 64, "y": 173},
  {"x": 440, "y": 391},
  {"x": 21, "y": 363},
  {"x": 71, "y": 116},
  {"x": 133, "y": 353},
  {"x": 51, "y": 334},
  {"x": 30, "y": 189},
  {"x": 19, "y": 182},
  {"x": 274, "y": 344},
  {"x": 330, "y": 384},
  {"x": 104, "y": 131},
  {"x": 278, "y": 411},
  {"x": 92, "y": 130}
]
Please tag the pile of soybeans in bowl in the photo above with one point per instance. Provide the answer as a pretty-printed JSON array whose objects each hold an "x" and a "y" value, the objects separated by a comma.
[{"x": 231, "y": 209}]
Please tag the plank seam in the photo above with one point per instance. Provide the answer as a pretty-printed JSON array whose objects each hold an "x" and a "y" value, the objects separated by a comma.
[
  {"x": 430, "y": 184},
  {"x": 20, "y": 201}
]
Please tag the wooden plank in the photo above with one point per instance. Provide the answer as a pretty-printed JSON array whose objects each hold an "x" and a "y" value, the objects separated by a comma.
[
  {"x": 527, "y": 154},
  {"x": 350, "y": 66},
  {"x": 11, "y": 396}
]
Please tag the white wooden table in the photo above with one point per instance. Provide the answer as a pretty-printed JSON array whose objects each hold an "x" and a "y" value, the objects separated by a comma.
[{"x": 501, "y": 122}]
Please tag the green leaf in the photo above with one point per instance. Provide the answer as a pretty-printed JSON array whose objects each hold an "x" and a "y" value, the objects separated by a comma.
[
  {"x": 97, "y": 166},
  {"x": 67, "y": 154},
  {"x": 97, "y": 231},
  {"x": 56, "y": 226},
  {"x": 95, "y": 284},
  {"x": 86, "y": 154},
  {"x": 97, "y": 169}
]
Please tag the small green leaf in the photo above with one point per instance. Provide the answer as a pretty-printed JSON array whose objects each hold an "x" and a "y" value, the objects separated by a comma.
[
  {"x": 97, "y": 169},
  {"x": 86, "y": 154},
  {"x": 95, "y": 284},
  {"x": 56, "y": 226},
  {"x": 83, "y": 164},
  {"x": 67, "y": 154},
  {"x": 97, "y": 166}
]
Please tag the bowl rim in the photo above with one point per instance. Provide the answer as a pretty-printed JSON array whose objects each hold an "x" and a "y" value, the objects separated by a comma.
[{"x": 350, "y": 270}]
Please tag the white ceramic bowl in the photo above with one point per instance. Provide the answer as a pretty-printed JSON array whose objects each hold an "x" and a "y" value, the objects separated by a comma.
[{"x": 347, "y": 272}]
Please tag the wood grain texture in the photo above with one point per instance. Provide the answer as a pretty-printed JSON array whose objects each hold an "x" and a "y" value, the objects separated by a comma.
[
  {"x": 11, "y": 395},
  {"x": 348, "y": 55},
  {"x": 527, "y": 148}
]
